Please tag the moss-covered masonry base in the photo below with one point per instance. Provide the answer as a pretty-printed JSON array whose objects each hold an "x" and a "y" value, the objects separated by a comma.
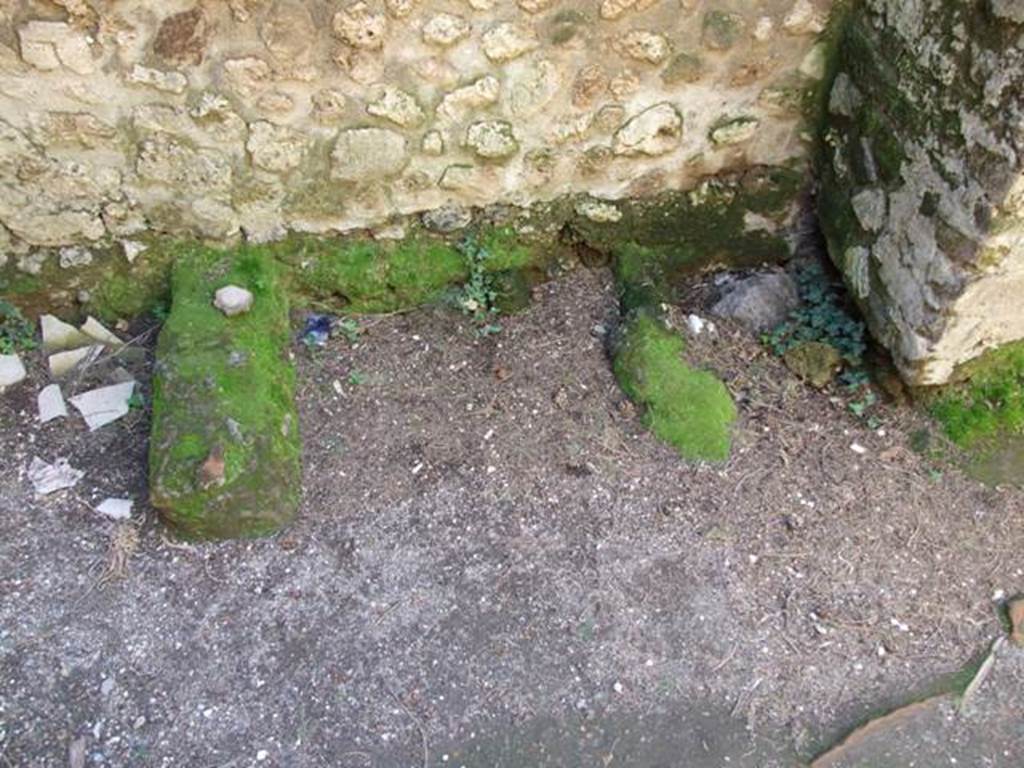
[
  {"x": 689, "y": 409},
  {"x": 224, "y": 452},
  {"x": 732, "y": 219},
  {"x": 224, "y": 446},
  {"x": 735, "y": 220}
]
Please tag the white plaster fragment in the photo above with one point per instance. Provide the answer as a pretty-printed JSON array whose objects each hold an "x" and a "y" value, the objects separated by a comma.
[
  {"x": 102, "y": 406},
  {"x": 51, "y": 404}
]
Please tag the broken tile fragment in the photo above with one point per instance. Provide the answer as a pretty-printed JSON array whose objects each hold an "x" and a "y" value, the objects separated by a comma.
[
  {"x": 100, "y": 407},
  {"x": 58, "y": 335},
  {"x": 62, "y": 363},
  {"x": 51, "y": 404},
  {"x": 48, "y": 478},
  {"x": 12, "y": 370},
  {"x": 116, "y": 509},
  {"x": 94, "y": 329}
]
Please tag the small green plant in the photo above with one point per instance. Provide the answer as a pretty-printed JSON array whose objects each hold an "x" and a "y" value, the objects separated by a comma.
[
  {"x": 920, "y": 441},
  {"x": 349, "y": 328},
  {"x": 16, "y": 333},
  {"x": 161, "y": 311},
  {"x": 356, "y": 377},
  {"x": 478, "y": 296},
  {"x": 862, "y": 397},
  {"x": 822, "y": 318},
  {"x": 137, "y": 401}
]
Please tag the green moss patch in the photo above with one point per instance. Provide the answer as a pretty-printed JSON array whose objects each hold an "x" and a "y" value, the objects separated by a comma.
[
  {"x": 366, "y": 276},
  {"x": 688, "y": 408},
  {"x": 989, "y": 400},
  {"x": 363, "y": 276},
  {"x": 129, "y": 291},
  {"x": 224, "y": 446},
  {"x": 656, "y": 243}
]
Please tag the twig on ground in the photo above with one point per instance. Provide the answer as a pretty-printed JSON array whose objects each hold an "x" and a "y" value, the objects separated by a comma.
[
  {"x": 726, "y": 660},
  {"x": 745, "y": 696},
  {"x": 419, "y": 726}
]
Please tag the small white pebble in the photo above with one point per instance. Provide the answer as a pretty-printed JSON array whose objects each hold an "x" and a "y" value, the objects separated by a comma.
[
  {"x": 858, "y": 449},
  {"x": 262, "y": 755}
]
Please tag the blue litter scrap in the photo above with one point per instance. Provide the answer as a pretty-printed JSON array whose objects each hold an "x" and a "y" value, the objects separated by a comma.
[{"x": 317, "y": 330}]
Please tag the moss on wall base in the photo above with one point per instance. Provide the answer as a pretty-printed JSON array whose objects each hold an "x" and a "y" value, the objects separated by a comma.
[
  {"x": 986, "y": 400},
  {"x": 224, "y": 445},
  {"x": 734, "y": 219}
]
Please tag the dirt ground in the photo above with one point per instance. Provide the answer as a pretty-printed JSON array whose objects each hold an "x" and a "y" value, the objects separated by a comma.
[{"x": 496, "y": 565}]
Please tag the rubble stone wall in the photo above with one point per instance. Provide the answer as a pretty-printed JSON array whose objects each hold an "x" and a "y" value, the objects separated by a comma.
[
  {"x": 923, "y": 179},
  {"x": 258, "y": 117},
  {"x": 229, "y": 119}
]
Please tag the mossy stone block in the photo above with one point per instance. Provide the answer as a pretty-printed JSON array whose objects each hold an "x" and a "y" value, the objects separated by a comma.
[
  {"x": 688, "y": 408},
  {"x": 813, "y": 361},
  {"x": 224, "y": 446}
]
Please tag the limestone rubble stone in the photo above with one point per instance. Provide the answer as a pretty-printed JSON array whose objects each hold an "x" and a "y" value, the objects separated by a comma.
[
  {"x": 923, "y": 212},
  {"x": 368, "y": 153},
  {"x": 655, "y": 131}
]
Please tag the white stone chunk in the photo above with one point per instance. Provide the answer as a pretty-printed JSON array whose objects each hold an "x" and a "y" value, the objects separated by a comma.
[
  {"x": 102, "y": 406},
  {"x": 116, "y": 509},
  {"x": 599, "y": 211},
  {"x": 445, "y": 29},
  {"x": 58, "y": 335},
  {"x": 508, "y": 41},
  {"x": 95, "y": 330},
  {"x": 655, "y": 131},
  {"x": 813, "y": 64},
  {"x": 12, "y": 370},
  {"x": 48, "y": 478},
  {"x": 63, "y": 363},
  {"x": 171, "y": 82},
  {"x": 49, "y": 44},
  {"x": 132, "y": 249},
  {"x": 51, "y": 404},
  {"x": 232, "y": 300}
]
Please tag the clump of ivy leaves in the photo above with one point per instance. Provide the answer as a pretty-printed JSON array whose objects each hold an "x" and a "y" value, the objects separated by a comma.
[
  {"x": 478, "y": 296},
  {"x": 16, "y": 333},
  {"x": 823, "y": 317}
]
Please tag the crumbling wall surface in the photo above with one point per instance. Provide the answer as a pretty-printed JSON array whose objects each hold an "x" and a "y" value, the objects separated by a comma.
[
  {"x": 923, "y": 177},
  {"x": 256, "y": 117}
]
